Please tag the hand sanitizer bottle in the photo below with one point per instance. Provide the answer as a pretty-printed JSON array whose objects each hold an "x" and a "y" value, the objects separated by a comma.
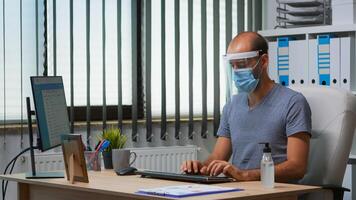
[{"x": 267, "y": 167}]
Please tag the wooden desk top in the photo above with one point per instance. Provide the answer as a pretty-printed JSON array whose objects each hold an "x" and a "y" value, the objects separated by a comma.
[{"x": 107, "y": 182}]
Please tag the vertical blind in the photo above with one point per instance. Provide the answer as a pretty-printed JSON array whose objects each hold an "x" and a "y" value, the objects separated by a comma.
[
  {"x": 93, "y": 45},
  {"x": 20, "y": 56},
  {"x": 21, "y": 23},
  {"x": 90, "y": 44},
  {"x": 103, "y": 44},
  {"x": 186, "y": 40}
]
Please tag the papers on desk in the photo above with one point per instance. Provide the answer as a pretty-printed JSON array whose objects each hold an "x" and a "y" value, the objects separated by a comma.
[{"x": 179, "y": 191}]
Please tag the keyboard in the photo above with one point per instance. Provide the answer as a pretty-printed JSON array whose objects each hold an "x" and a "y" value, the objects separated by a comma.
[{"x": 184, "y": 177}]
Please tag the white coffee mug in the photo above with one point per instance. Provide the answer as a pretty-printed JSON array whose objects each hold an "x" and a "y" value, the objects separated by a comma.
[{"x": 121, "y": 158}]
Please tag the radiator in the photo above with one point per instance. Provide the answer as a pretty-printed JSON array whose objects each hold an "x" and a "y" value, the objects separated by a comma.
[{"x": 166, "y": 159}]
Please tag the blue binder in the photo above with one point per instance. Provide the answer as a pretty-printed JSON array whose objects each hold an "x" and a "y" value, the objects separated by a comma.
[
  {"x": 283, "y": 60},
  {"x": 324, "y": 59}
]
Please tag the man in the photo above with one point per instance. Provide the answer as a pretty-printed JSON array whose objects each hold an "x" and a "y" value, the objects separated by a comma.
[{"x": 261, "y": 112}]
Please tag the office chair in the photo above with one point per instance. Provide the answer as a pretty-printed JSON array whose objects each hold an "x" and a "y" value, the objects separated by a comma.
[{"x": 333, "y": 127}]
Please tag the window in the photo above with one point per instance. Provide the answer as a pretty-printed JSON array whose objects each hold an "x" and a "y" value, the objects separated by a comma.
[
  {"x": 20, "y": 55},
  {"x": 59, "y": 54},
  {"x": 15, "y": 74}
]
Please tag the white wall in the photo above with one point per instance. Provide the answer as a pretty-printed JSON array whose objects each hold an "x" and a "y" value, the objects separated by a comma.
[{"x": 269, "y": 14}]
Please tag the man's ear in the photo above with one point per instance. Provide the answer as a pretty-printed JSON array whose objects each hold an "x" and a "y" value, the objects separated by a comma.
[{"x": 264, "y": 61}]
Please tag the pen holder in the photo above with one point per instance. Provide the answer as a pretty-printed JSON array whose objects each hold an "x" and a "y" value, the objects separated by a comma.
[{"x": 93, "y": 160}]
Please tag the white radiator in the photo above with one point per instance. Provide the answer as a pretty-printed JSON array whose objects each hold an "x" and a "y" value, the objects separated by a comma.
[{"x": 166, "y": 159}]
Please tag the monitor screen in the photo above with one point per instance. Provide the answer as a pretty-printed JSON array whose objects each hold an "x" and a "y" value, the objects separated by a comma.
[{"x": 51, "y": 110}]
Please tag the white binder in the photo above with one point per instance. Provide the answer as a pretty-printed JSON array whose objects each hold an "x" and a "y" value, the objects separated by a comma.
[
  {"x": 272, "y": 61},
  {"x": 345, "y": 63},
  {"x": 298, "y": 65},
  {"x": 335, "y": 62},
  {"x": 313, "y": 62}
]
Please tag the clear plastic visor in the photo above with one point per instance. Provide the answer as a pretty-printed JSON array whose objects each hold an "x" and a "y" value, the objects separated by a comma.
[
  {"x": 241, "y": 60},
  {"x": 236, "y": 61}
]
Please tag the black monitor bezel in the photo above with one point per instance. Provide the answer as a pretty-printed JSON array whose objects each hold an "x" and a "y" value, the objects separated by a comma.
[{"x": 39, "y": 136}]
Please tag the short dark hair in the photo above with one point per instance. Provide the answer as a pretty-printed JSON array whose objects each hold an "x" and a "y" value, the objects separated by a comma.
[{"x": 260, "y": 43}]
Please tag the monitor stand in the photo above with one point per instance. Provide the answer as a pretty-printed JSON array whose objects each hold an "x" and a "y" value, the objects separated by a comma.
[
  {"x": 33, "y": 174},
  {"x": 44, "y": 175}
]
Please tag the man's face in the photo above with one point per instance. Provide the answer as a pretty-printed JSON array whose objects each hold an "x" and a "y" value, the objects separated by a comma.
[
  {"x": 240, "y": 46},
  {"x": 244, "y": 63},
  {"x": 244, "y": 44}
]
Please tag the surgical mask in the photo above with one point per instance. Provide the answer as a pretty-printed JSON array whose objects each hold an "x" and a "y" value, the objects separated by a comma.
[
  {"x": 245, "y": 80},
  {"x": 242, "y": 78}
]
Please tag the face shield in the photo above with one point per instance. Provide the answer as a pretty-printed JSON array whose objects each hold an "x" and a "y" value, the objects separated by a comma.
[{"x": 238, "y": 62}]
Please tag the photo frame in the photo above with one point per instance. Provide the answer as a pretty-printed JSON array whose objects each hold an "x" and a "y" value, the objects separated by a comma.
[{"x": 73, "y": 156}]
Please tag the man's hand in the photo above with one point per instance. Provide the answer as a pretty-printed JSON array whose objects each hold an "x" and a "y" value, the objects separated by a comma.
[
  {"x": 217, "y": 167},
  {"x": 222, "y": 151},
  {"x": 231, "y": 171},
  {"x": 193, "y": 166}
]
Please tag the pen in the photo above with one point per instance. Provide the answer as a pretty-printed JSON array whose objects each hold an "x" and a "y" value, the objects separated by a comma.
[{"x": 101, "y": 147}]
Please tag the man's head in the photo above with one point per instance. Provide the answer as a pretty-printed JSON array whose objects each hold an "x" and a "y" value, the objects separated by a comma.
[
  {"x": 255, "y": 48},
  {"x": 248, "y": 41}
]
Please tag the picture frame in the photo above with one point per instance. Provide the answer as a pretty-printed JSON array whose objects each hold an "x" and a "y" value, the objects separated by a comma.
[{"x": 73, "y": 156}]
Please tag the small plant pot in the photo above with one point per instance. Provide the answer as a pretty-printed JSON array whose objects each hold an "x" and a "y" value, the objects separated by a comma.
[{"x": 107, "y": 157}]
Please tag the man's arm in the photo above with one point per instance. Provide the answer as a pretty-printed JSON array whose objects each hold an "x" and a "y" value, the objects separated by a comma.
[
  {"x": 293, "y": 168},
  {"x": 222, "y": 151}
]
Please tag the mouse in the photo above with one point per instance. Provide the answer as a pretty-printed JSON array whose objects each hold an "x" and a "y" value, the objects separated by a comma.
[{"x": 126, "y": 171}]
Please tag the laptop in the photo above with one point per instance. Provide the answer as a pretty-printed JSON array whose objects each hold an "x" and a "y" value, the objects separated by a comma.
[{"x": 184, "y": 177}]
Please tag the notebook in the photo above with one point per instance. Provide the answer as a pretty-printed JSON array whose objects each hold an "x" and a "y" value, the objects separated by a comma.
[{"x": 180, "y": 191}]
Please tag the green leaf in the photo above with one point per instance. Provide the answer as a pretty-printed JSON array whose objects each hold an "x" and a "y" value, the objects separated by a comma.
[{"x": 115, "y": 137}]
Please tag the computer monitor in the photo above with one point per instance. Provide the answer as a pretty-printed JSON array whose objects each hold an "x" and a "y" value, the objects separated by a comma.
[
  {"x": 51, "y": 110},
  {"x": 51, "y": 118}
]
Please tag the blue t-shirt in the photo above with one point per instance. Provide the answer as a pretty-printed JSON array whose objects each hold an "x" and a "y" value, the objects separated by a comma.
[{"x": 281, "y": 113}]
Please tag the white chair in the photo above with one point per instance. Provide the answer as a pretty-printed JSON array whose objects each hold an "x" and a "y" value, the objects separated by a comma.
[{"x": 333, "y": 126}]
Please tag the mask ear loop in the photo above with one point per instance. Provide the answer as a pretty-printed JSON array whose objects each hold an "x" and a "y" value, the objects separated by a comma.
[{"x": 258, "y": 62}]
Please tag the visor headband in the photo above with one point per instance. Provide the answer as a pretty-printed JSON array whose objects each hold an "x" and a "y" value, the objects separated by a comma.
[{"x": 243, "y": 55}]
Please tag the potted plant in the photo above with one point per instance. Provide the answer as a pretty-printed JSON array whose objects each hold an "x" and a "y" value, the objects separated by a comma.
[{"x": 117, "y": 141}]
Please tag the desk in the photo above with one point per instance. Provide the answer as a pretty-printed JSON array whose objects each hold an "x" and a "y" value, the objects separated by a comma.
[
  {"x": 352, "y": 162},
  {"x": 106, "y": 185}
]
